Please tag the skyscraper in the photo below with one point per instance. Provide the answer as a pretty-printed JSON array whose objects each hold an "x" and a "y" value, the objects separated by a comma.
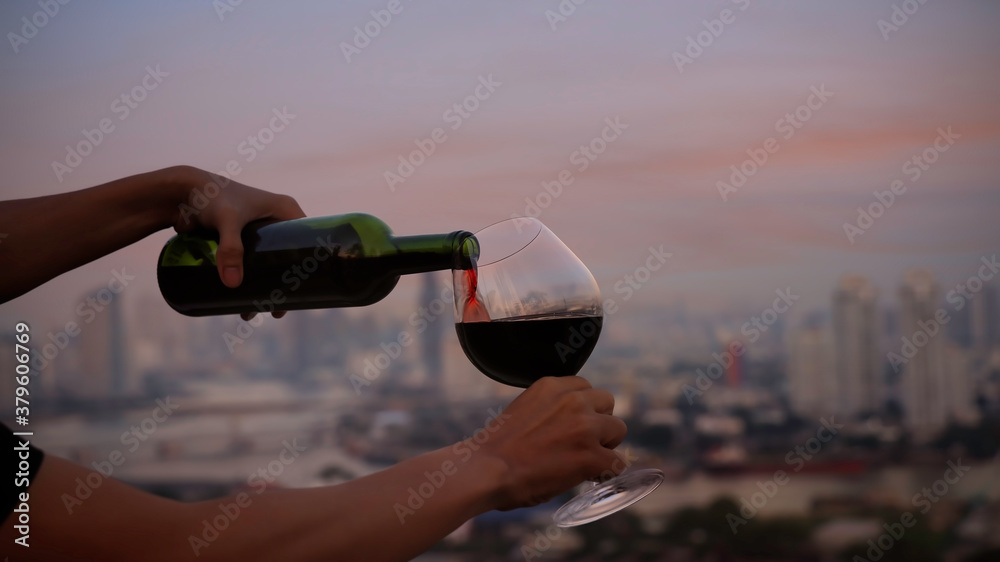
[
  {"x": 812, "y": 386},
  {"x": 102, "y": 346},
  {"x": 432, "y": 339},
  {"x": 319, "y": 339},
  {"x": 984, "y": 319},
  {"x": 858, "y": 359},
  {"x": 306, "y": 342},
  {"x": 926, "y": 394},
  {"x": 736, "y": 370}
]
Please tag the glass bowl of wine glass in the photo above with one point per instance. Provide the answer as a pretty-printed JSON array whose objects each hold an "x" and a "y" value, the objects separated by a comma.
[{"x": 527, "y": 309}]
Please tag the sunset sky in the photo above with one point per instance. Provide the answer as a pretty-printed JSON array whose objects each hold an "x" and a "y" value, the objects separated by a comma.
[{"x": 656, "y": 184}]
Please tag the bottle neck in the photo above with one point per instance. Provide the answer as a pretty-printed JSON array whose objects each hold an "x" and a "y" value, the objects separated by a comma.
[{"x": 434, "y": 252}]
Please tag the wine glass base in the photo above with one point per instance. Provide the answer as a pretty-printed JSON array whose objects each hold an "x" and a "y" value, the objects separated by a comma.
[{"x": 608, "y": 497}]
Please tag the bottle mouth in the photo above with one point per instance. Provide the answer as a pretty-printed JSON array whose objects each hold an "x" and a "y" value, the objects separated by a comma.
[
  {"x": 506, "y": 238},
  {"x": 466, "y": 250}
]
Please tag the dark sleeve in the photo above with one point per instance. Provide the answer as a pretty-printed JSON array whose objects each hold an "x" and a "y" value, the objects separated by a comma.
[{"x": 18, "y": 472}]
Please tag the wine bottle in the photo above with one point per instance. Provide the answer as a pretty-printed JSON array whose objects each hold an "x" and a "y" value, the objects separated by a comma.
[{"x": 314, "y": 262}]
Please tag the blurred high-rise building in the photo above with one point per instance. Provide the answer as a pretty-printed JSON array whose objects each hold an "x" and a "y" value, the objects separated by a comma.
[
  {"x": 991, "y": 294},
  {"x": 926, "y": 391},
  {"x": 318, "y": 340},
  {"x": 975, "y": 322},
  {"x": 958, "y": 376},
  {"x": 812, "y": 386},
  {"x": 307, "y": 341},
  {"x": 432, "y": 338},
  {"x": 735, "y": 370},
  {"x": 984, "y": 320},
  {"x": 101, "y": 353},
  {"x": 153, "y": 335},
  {"x": 858, "y": 360}
]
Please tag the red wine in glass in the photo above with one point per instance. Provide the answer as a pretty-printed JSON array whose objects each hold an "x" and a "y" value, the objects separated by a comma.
[{"x": 519, "y": 351}]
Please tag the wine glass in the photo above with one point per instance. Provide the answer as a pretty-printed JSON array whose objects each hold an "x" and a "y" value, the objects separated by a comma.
[{"x": 530, "y": 309}]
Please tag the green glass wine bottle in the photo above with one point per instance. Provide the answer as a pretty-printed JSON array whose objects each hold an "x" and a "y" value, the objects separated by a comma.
[{"x": 314, "y": 262}]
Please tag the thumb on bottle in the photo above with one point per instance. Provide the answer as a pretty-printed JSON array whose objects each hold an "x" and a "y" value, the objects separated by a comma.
[{"x": 229, "y": 256}]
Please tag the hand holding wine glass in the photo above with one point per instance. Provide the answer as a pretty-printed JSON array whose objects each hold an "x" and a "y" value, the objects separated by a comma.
[{"x": 557, "y": 433}]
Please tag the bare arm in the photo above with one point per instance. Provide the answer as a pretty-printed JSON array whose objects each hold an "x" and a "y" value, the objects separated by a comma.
[
  {"x": 556, "y": 434},
  {"x": 48, "y": 236}
]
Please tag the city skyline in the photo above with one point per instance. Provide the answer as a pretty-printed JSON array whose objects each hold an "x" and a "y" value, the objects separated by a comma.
[{"x": 837, "y": 360}]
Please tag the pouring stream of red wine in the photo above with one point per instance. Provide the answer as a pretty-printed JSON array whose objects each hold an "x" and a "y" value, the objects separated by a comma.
[{"x": 474, "y": 310}]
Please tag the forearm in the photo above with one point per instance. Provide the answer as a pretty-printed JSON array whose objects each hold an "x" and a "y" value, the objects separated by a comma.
[
  {"x": 556, "y": 434},
  {"x": 394, "y": 514},
  {"x": 371, "y": 518},
  {"x": 48, "y": 236}
]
